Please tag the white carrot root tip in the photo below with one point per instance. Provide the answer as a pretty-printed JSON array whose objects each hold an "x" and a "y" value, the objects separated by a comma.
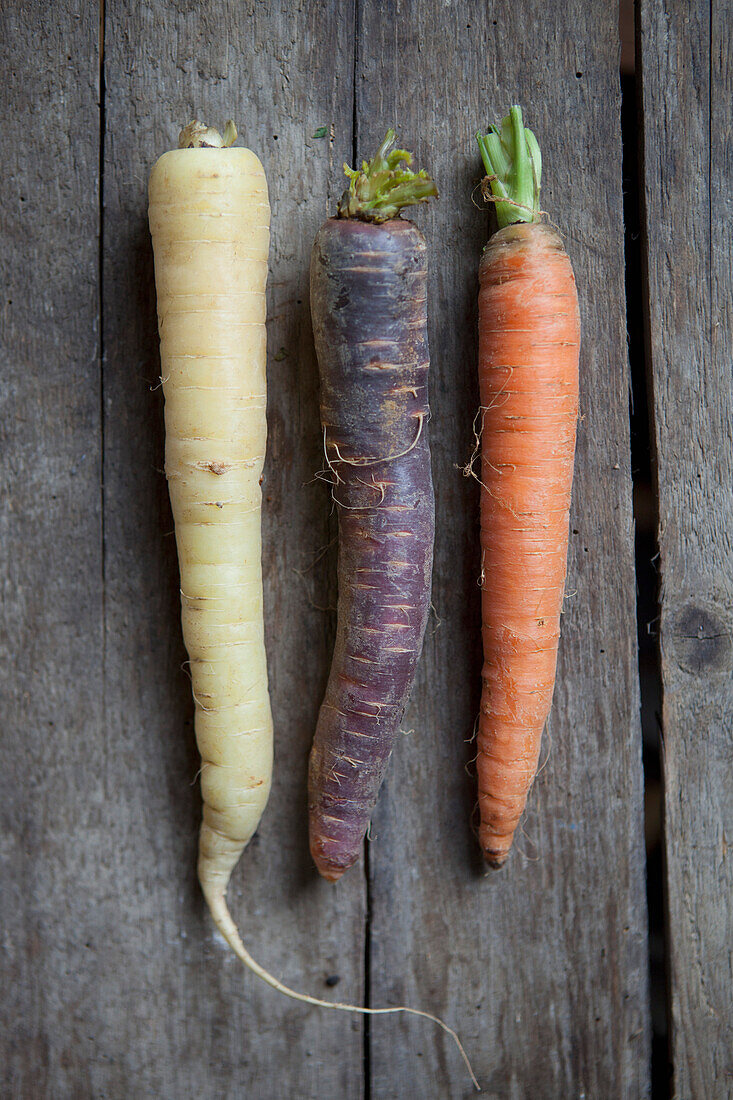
[{"x": 223, "y": 921}]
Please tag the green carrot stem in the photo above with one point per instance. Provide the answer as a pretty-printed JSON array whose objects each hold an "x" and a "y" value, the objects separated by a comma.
[
  {"x": 513, "y": 166},
  {"x": 384, "y": 185}
]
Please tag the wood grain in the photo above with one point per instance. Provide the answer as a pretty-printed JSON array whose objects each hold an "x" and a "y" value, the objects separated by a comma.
[
  {"x": 114, "y": 983},
  {"x": 53, "y": 851},
  {"x": 542, "y": 967},
  {"x": 202, "y": 1026},
  {"x": 687, "y": 82}
]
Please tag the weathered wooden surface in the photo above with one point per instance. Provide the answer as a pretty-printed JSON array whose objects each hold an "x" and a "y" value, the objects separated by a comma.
[
  {"x": 687, "y": 85},
  {"x": 114, "y": 982},
  {"x": 542, "y": 966},
  {"x": 54, "y": 847}
]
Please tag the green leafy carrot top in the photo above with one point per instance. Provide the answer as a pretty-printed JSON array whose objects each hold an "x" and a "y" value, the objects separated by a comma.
[{"x": 384, "y": 185}]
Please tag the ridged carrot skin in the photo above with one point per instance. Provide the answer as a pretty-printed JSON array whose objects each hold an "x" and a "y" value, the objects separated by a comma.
[
  {"x": 368, "y": 302},
  {"x": 529, "y": 335},
  {"x": 209, "y": 218}
]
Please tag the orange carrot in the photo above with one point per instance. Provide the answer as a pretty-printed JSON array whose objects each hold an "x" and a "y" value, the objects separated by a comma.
[{"x": 529, "y": 333}]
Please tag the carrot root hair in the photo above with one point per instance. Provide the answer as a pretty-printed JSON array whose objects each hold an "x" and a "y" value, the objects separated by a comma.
[{"x": 216, "y": 901}]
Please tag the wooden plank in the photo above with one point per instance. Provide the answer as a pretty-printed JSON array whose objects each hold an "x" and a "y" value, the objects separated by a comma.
[
  {"x": 543, "y": 966},
  {"x": 687, "y": 82},
  {"x": 201, "y": 1025},
  {"x": 52, "y": 782}
]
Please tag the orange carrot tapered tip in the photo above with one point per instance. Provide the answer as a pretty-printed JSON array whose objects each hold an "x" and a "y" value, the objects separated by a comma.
[{"x": 529, "y": 337}]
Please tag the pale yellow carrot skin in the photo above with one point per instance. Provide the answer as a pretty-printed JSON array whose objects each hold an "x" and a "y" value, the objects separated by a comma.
[{"x": 209, "y": 219}]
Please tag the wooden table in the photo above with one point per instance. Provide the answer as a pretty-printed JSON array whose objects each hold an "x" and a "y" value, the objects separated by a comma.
[{"x": 113, "y": 982}]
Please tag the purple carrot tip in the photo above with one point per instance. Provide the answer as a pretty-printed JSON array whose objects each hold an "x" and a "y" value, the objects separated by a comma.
[
  {"x": 331, "y": 874},
  {"x": 329, "y": 868}
]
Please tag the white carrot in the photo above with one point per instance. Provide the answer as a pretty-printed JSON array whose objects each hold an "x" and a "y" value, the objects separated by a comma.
[{"x": 209, "y": 220}]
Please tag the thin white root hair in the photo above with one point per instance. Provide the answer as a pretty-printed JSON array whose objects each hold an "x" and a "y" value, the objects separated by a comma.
[
  {"x": 371, "y": 461},
  {"x": 482, "y": 410},
  {"x": 522, "y": 851},
  {"x": 319, "y": 475},
  {"x": 316, "y": 606},
  {"x": 487, "y": 196},
  {"x": 468, "y": 470},
  {"x": 318, "y": 556},
  {"x": 328, "y": 460},
  {"x": 301, "y": 573},
  {"x": 197, "y": 701},
  {"x": 473, "y": 192},
  {"x": 223, "y": 921},
  {"x": 377, "y": 485},
  {"x": 546, "y": 744},
  {"x": 474, "y": 822},
  {"x": 470, "y": 766},
  {"x": 472, "y": 738},
  {"x": 355, "y": 507}
]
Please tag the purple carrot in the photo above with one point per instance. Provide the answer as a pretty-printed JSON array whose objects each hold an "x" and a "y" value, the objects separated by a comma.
[{"x": 368, "y": 303}]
